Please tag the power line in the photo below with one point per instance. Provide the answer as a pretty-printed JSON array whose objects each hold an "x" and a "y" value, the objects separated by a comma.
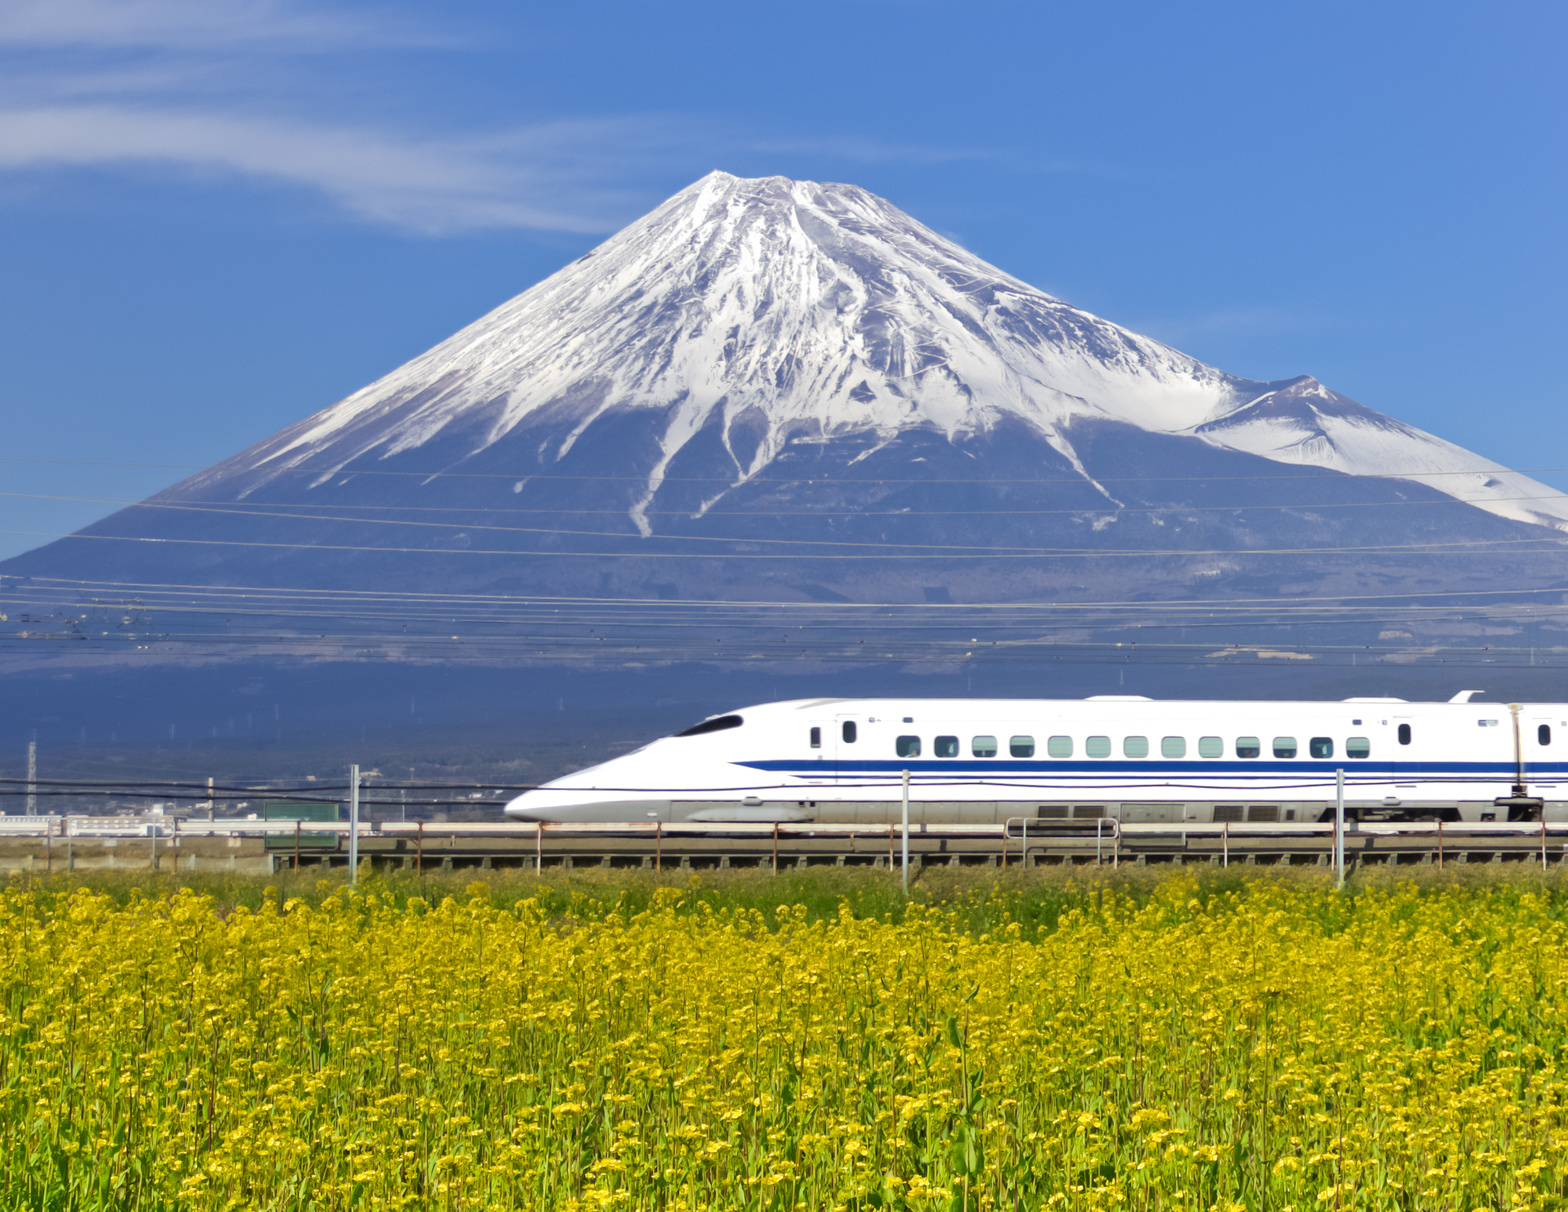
[
  {"x": 920, "y": 552},
  {"x": 1560, "y": 591},
  {"x": 344, "y": 469},
  {"x": 260, "y": 508}
]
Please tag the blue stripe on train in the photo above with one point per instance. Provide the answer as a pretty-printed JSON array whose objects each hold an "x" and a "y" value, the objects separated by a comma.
[{"x": 1383, "y": 771}]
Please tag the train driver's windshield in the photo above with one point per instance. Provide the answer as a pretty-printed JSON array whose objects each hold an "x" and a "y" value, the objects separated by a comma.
[{"x": 717, "y": 724}]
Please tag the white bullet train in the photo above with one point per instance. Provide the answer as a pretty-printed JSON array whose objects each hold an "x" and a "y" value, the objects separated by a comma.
[{"x": 1114, "y": 756}]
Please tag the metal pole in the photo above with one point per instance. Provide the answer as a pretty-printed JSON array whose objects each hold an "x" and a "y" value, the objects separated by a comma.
[
  {"x": 296, "y": 844},
  {"x": 1225, "y": 843},
  {"x": 1339, "y": 828},
  {"x": 32, "y": 778},
  {"x": 1520, "y": 790},
  {"x": 904, "y": 829},
  {"x": 1099, "y": 829},
  {"x": 209, "y": 798},
  {"x": 658, "y": 845},
  {"x": 1439, "y": 843},
  {"x": 1023, "y": 857},
  {"x": 419, "y": 852},
  {"x": 353, "y": 825},
  {"x": 1543, "y": 837},
  {"x": 49, "y": 847},
  {"x": 775, "y": 848},
  {"x": 538, "y": 846}
]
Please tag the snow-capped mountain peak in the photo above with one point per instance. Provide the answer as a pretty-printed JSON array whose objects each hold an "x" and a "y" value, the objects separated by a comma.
[{"x": 768, "y": 310}]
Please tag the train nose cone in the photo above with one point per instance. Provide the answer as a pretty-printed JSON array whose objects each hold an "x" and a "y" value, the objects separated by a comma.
[{"x": 520, "y": 809}]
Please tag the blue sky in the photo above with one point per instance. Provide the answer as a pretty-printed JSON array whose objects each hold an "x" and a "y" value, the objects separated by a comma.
[{"x": 217, "y": 216}]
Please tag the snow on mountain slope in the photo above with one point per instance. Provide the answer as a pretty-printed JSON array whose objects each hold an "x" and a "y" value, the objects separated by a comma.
[
  {"x": 827, "y": 312},
  {"x": 1304, "y": 422}
]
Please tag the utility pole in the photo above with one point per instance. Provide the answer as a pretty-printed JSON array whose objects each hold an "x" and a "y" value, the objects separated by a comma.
[
  {"x": 353, "y": 825},
  {"x": 32, "y": 778},
  {"x": 209, "y": 798}
]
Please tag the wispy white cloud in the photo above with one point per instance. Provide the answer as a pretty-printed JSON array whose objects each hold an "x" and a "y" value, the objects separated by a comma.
[
  {"x": 553, "y": 176},
  {"x": 194, "y": 24}
]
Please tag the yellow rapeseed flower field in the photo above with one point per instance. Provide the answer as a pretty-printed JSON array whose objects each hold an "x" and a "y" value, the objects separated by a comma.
[{"x": 1276, "y": 1047}]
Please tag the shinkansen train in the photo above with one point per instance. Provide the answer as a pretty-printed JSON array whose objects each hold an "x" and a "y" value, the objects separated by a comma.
[{"x": 1121, "y": 757}]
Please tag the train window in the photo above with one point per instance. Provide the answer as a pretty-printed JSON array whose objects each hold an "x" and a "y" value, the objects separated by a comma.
[
  {"x": 1173, "y": 746},
  {"x": 1248, "y": 746},
  {"x": 907, "y": 746},
  {"x": 945, "y": 746},
  {"x": 1211, "y": 746},
  {"x": 983, "y": 746},
  {"x": 849, "y": 732},
  {"x": 1098, "y": 746},
  {"x": 1543, "y": 734},
  {"x": 1284, "y": 746},
  {"x": 1021, "y": 746},
  {"x": 718, "y": 724},
  {"x": 1059, "y": 746},
  {"x": 816, "y": 738},
  {"x": 1321, "y": 747},
  {"x": 1358, "y": 747},
  {"x": 1404, "y": 734},
  {"x": 1135, "y": 746}
]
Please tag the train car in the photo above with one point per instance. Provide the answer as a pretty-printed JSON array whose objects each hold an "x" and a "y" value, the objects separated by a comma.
[{"x": 1120, "y": 757}]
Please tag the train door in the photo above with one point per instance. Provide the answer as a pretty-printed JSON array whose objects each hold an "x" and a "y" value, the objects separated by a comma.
[
  {"x": 1544, "y": 744},
  {"x": 848, "y": 745},
  {"x": 1402, "y": 764}
]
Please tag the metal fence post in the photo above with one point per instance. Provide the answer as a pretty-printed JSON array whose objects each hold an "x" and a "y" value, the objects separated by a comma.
[
  {"x": 905, "y": 831},
  {"x": 1339, "y": 828},
  {"x": 353, "y": 825}
]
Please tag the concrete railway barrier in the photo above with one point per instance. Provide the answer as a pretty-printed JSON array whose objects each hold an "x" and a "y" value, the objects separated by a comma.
[{"x": 86, "y": 843}]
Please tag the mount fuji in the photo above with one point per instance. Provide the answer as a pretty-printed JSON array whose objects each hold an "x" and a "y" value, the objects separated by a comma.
[{"x": 778, "y": 390}]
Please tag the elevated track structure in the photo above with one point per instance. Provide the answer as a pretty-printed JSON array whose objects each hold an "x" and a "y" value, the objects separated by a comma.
[{"x": 176, "y": 846}]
